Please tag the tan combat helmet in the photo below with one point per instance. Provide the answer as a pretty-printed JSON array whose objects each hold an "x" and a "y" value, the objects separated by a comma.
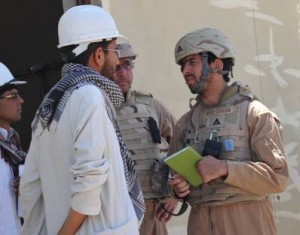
[
  {"x": 125, "y": 49},
  {"x": 204, "y": 40}
]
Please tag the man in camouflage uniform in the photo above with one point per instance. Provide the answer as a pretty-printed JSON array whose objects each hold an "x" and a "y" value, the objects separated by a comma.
[
  {"x": 147, "y": 127},
  {"x": 239, "y": 137}
]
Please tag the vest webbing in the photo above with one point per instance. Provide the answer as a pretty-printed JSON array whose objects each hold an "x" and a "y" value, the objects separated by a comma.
[
  {"x": 225, "y": 122},
  {"x": 132, "y": 119}
]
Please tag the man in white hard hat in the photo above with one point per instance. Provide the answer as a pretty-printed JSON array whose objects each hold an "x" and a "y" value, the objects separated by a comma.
[
  {"x": 240, "y": 140},
  {"x": 78, "y": 177},
  {"x": 11, "y": 154},
  {"x": 147, "y": 127}
]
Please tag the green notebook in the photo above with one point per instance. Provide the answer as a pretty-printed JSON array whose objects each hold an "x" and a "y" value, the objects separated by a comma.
[{"x": 184, "y": 162}]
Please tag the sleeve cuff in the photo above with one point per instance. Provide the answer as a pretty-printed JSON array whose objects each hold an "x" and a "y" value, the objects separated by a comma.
[{"x": 87, "y": 203}]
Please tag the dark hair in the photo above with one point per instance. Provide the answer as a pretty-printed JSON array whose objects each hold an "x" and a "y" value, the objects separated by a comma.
[
  {"x": 6, "y": 87},
  {"x": 68, "y": 55},
  {"x": 228, "y": 63}
]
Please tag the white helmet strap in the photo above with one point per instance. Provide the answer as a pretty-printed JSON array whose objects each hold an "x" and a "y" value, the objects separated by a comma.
[{"x": 80, "y": 48}]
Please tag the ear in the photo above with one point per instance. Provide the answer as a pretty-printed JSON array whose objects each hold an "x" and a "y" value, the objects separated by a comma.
[
  {"x": 99, "y": 56},
  {"x": 217, "y": 65},
  {"x": 97, "y": 59}
]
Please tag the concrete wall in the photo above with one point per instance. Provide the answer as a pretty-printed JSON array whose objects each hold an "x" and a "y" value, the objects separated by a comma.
[{"x": 265, "y": 35}]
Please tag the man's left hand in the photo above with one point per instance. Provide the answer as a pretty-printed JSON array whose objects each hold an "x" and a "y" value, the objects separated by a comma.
[{"x": 170, "y": 205}]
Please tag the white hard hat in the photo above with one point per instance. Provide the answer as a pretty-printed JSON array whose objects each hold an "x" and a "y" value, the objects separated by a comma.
[
  {"x": 85, "y": 24},
  {"x": 6, "y": 78}
]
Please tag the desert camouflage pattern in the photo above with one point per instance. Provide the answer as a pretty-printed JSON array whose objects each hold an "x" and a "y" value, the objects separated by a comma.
[
  {"x": 133, "y": 122},
  {"x": 204, "y": 40}
]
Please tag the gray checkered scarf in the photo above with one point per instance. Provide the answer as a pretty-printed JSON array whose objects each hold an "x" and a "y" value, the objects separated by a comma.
[{"x": 49, "y": 112}]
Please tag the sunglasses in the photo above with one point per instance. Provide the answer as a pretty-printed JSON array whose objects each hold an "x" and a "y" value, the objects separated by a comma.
[
  {"x": 11, "y": 96},
  {"x": 114, "y": 50},
  {"x": 127, "y": 65}
]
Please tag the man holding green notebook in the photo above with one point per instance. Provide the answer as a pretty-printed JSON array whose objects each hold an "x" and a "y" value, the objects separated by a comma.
[{"x": 239, "y": 138}]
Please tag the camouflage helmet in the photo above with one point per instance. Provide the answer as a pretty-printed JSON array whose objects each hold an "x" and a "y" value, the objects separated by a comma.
[
  {"x": 204, "y": 40},
  {"x": 125, "y": 49}
]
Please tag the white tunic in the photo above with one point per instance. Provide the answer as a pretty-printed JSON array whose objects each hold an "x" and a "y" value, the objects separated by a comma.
[
  {"x": 78, "y": 165},
  {"x": 9, "y": 221}
]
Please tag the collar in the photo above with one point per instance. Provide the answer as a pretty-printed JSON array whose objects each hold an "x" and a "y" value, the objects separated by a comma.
[
  {"x": 128, "y": 95},
  {"x": 5, "y": 134}
]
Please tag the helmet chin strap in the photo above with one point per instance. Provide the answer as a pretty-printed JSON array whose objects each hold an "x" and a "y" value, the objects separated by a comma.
[{"x": 199, "y": 87}]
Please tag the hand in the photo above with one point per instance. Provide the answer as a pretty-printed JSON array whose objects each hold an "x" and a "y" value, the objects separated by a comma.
[
  {"x": 211, "y": 168},
  {"x": 180, "y": 186},
  {"x": 170, "y": 205}
]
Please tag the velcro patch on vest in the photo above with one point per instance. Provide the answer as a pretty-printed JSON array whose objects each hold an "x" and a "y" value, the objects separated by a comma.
[{"x": 216, "y": 117}]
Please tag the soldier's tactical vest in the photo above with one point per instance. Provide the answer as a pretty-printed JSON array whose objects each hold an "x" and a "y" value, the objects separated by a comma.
[
  {"x": 226, "y": 123},
  {"x": 133, "y": 120}
]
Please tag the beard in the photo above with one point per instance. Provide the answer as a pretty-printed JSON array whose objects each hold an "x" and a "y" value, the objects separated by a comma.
[
  {"x": 195, "y": 89},
  {"x": 197, "y": 86},
  {"x": 108, "y": 70}
]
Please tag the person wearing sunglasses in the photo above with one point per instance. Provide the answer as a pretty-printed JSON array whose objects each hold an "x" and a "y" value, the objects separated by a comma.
[
  {"x": 147, "y": 127},
  {"x": 11, "y": 154}
]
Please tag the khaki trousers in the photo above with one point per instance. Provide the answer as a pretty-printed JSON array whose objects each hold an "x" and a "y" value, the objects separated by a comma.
[
  {"x": 244, "y": 218},
  {"x": 150, "y": 224}
]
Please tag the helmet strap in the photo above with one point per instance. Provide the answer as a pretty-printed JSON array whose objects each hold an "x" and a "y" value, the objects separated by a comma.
[
  {"x": 205, "y": 70},
  {"x": 81, "y": 48}
]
